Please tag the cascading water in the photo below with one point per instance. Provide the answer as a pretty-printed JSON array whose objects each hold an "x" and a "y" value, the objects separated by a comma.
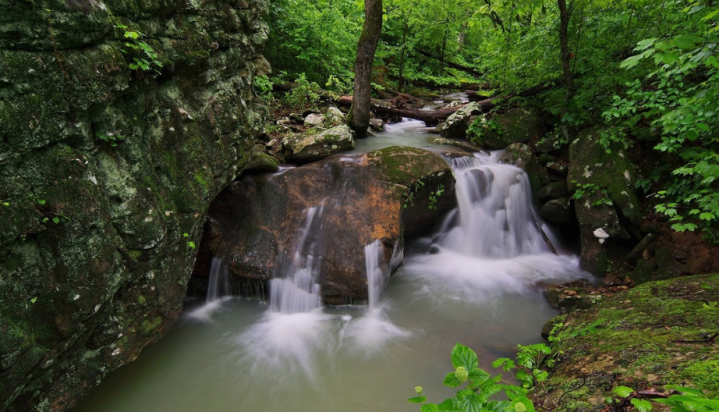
[
  {"x": 372, "y": 332},
  {"x": 218, "y": 290},
  {"x": 288, "y": 337},
  {"x": 493, "y": 243}
]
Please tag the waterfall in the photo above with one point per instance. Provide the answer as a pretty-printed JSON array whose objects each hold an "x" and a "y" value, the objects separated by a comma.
[
  {"x": 373, "y": 254},
  {"x": 294, "y": 330},
  {"x": 493, "y": 242},
  {"x": 298, "y": 291},
  {"x": 219, "y": 284}
]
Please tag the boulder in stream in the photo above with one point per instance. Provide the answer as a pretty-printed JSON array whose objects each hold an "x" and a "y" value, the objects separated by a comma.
[{"x": 383, "y": 195}]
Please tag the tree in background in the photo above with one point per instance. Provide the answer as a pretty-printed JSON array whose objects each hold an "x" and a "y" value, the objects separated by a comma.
[{"x": 359, "y": 115}]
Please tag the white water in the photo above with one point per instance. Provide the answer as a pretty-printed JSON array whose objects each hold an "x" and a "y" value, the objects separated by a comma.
[
  {"x": 491, "y": 245},
  {"x": 218, "y": 291}
]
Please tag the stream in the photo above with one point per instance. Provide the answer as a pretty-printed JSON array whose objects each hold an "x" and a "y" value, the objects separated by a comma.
[{"x": 476, "y": 281}]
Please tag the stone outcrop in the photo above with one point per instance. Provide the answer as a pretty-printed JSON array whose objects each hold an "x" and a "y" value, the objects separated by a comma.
[
  {"x": 383, "y": 195},
  {"x": 106, "y": 173},
  {"x": 607, "y": 209},
  {"x": 504, "y": 129},
  {"x": 456, "y": 125},
  {"x": 315, "y": 144}
]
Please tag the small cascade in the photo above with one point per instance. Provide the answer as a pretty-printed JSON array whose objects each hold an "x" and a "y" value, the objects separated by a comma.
[
  {"x": 218, "y": 291},
  {"x": 219, "y": 284},
  {"x": 376, "y": 280},
  {"x": 374, "y": 330},
  {"x": 294, "y": 329},
  {"x": 298, "y": 291},
  {"x": 493, "y": 243}
]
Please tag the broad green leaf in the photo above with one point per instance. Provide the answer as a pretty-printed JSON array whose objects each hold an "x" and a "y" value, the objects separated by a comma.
[
  {"x": 446, "y": 406},
  {"x": 471, "y": 403},
  {"x": 417, "y": 399},
  {"x": 686, "y": 41},
  {"x": 478, "y": 376},
  {"x": 630, "y": 62},
  {"x": 429, "y": 407},
  {"x": 451, "y": 380},
  {"x": 645, "y": 44},
  {"x": 623, "y": 391},
  {"x": 641, "y": 405},
  {"x": 464, "y": 356}
]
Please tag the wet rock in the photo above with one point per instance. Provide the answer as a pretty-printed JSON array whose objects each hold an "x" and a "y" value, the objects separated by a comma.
[
  {"x": 521, "y": 155},
  {"x": 650, "y": 336},
  {"x": 554, "y": 190},
  {"x": 467, "y": 147},
  {"x": 607, "y": 182},
  {"x": 456, "y": 125},
  {"x": 376, "y": 125},
  {"x": 514, "y": 126},
  {"x": 312, "y": 145},
  {"x": 557, "y": 211},
  {"x": 96, "y": 245},
  {"x": 383, "y": 195}
]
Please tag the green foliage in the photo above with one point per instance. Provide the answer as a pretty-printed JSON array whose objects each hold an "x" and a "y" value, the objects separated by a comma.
[
  {"x": 479, "y": 129},
  {"x": 475, "y": 389},
  {"x": 190, "y": 244},
  {"x": 588, "y": 189},
  {"x": 263, "y": 87},
  {"x": 679, "y": 99},
  {"x": 305, "y": 94},
  {"x": 144, "y": 57},
  {"x": 111, "y": 138},
  {"x": 685, "y": 400},
  {"x": 433, "y": 196}
]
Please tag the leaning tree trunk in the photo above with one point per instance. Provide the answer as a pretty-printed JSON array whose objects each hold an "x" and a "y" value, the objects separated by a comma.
[{"x": 360, "y": 112}]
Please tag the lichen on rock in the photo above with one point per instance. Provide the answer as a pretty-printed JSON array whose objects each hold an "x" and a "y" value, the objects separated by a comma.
[{"x": 104, "y": 169}]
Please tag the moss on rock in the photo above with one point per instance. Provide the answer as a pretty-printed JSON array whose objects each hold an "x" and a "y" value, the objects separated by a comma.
[
  {"x": 92, "y": 254},
  {"x": 647, "y": 337}
]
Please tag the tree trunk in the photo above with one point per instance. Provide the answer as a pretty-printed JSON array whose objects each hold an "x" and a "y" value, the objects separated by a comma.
[
  {"x": 359, "y": 116},
  {"x": 564, "y": 16}
]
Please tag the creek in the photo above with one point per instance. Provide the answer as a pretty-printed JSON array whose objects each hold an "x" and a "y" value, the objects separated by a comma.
[{"x": 477, "y": 281}]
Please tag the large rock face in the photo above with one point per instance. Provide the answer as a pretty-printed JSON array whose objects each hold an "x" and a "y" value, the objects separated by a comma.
[
  {"x": 607, "y": 210},
  {"x": 384, "y": 195},
  {"x": 95, "y": 233}
]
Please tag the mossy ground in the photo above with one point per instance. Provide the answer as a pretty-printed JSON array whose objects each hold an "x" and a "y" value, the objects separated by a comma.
[{"x": 648, "y": 337}]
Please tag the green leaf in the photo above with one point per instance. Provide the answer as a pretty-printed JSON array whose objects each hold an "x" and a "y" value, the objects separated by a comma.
[
  {"x": 430, "y": 407},
  {"x": 645, "y": 44},
  {"x": 630, "y": 62},
  {"x": 686, "y": 41},
  {"x": 470, "y": 403},
  {"x": 478, "y": 376},
  {"x": 623, "y": 391},
  {"x": 464, "y": 356},
  {"x": 41, "y": 202},
  {"x": 451, "y": 380},
  {"x": 446, "y": 406},
  {"x": 417, "y": 399},
  {"x": 642, "y": 405}
]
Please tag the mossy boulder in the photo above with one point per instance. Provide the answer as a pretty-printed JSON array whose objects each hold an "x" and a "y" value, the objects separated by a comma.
[
  {"x": 383, "y": 195},
  {"x": 456, "y": 125},
  {"x": 464, "y": 146},
  {"x": 513, "y": 126},
  {"x": 607, "y": 209},
  {"x": 106, "y": 174},
  {"x": 654, "y": 335},
  {"x": 315, "y": 145}
]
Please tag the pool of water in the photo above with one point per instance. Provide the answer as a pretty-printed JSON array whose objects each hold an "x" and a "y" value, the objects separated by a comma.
[{"x": 206, "y": 366}]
